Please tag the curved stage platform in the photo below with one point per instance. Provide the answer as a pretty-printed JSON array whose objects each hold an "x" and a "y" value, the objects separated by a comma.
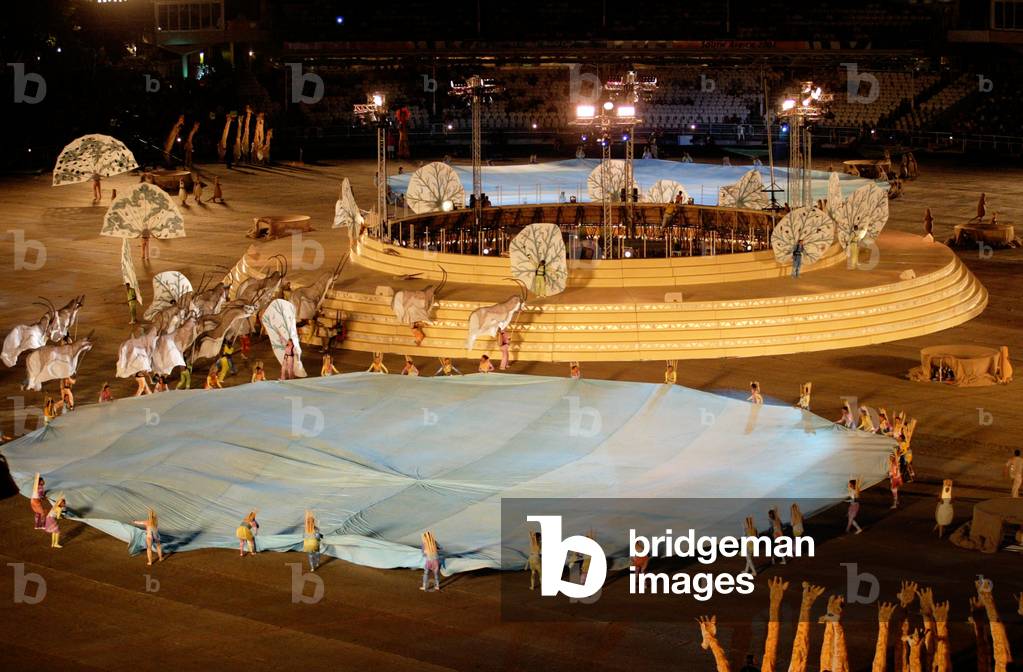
[{"x": 735, "y": 305}]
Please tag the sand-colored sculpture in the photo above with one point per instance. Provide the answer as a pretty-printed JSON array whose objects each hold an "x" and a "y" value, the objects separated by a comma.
[
  {"x": 190, "y": 144},
  {"x": 914, "y": 642},
  {"x": 241, "y": 150},
  {"x": 237, "y": 154},
  {"x": 709, "y": 630},
  {"x": 801, "y": 641},
  {"x": 258, "y": 138},
  {"x": 978, "y": 619},
  {"x": 1004, "y": 371},
  {"x": 778, "y": 588},
  {"x": 168, "y": 144},
  {"x": 942, "y": 657},
  {"x": 884, "y": 617},
  {"x": 834, "y": 656},
  {"x": 224, "y": 135},
  {"x": 906, "y": 595},
  {"x": 926, "y": 596},
  {"x": 266, "y": 145},
  {"x": 999, "y": 637}
]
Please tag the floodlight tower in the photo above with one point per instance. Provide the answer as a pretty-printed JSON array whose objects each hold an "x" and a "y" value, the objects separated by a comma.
[
  {"x": 800, "y": 110},
  {"x": 628, "y": 91},
  {"x": 610, "y": 120},
  {"x": 477, "y": 91},
  {"x": 374, "y": 111}
]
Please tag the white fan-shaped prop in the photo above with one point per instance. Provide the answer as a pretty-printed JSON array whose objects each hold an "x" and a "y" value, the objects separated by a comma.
[
  {"x": 665, "y": 191},
  {"x": 535, "y": 244},
  {"x": 809, "y": 226},
  {"x": 346, "y": 211},
  {"x": 145, "y": 208},
  {"x": 279, "y": 323},
  {"x": 92, "y": 155},
  {"x": 862, "y": 215},
  {"x": 128, "y": 269},
  {"x": 610, "y": 177},
  {"x": 431, "y": 186},
  {"x": 748, "y": 192},
  {"x": 167, "y": 286}
]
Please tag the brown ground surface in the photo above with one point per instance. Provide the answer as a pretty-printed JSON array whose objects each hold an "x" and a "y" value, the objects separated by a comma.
[{"x": 215, "y": 610}]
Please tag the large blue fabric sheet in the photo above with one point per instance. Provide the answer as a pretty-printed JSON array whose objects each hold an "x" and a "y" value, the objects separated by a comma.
[{"x": 395, "y": 456}]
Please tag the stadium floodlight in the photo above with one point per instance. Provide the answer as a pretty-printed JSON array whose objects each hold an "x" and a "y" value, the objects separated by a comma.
[
  {"x": 788, "y": 105},
  {"x": 626, "y": 111},
  {"x": 609, "y": 106},
  {"x": 585, "y": 111}
]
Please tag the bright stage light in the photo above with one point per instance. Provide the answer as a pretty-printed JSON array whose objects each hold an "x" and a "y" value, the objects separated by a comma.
[
  {"x": 692, "y": 127},
  {"x": 339, "y": 20},
  {"x": 450, "y": 126},
  {"x": 584, "y": 137},
  {"x": 788, "y": 104},
  {"x": 585, "y": 111},
  {"x": 609, "y": 106},
  {"x": 626, "y": 111},
  {"x": 447, "y": 206},
  {"x": 784, "y": 128},
  {"x": 378, "y": 100},
  {"x": 534, "y": 125},
  {"x": 486, "y": 251},
  {"x": 625, "y": 137},
  {"x": 628, "y": 253}
]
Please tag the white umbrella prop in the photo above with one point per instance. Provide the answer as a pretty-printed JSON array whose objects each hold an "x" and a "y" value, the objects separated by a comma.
[
  {"x": 167, "y": 286},
  {"x": 748, "y": 192},
  {"x": 609, "y": 176},
  {"x": 145, "y": 208},
  {"x": 347, "y": 212},
  {"x": 665, "y": 191},
  {"x": 279, "y": 323},
  {"x": 809, "y": 226},
  {"x": 92, "y": 155},
  {"x": 537, "y": 258},
  {"x": 863, "y": 215},
  {"x": 432, "y": 186}
]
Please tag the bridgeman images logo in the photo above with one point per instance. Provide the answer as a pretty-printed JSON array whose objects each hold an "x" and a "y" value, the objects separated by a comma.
[{"x": 705, "y": 549}]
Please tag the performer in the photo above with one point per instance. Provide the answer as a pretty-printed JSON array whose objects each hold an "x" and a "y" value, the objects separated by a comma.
[
  {"x": 97, "y": 189},
  {"x": 311, "y": 541},
  {"x": 212, "y": 379},
  {"x": 670, "y": 376},
  {"x": 574, "y": 372},
  {"x": 534, "y": 564},
  {"x": 185, "y": 378},
  {"x": 37, "y": 499},
  {"x": 847, "y": 419},
  {"x": 750, "y": 530},
  {"x": 797, "y": 258},
  {"x": 67, "y": 395},
  {"x": 418, "y": 335},
  {"x": 226, "y": 363},
  {"x": 504, "y": 341},
  {"x": 246, "y": 534},
  {"x": 447, "y": 368},
  {"x": 258, "y": 374},
  {"x": 431, "y": 561},
  {"x": 410, "y": 368},
  {"x": 928, "y": 224},
  {"x": 866, "y": 424},
  {"x": 142, "y": 384},
  {"x": 196, "y": 189},
  {"x": 1014, "y": 471},
  {"x": 854, "y": 506},
  {"x": 218, "y": 193},
  {"x": 144, "y": 242},
  {"x": 151, "y": 526},
  {"x": 133, "y": 303},
  {"x": 182, "y": 191},
  {"x": 328, "y": 366},
  {"x": 50, "y": 524},
  {"x": 754, "y": 393},
  {"x": 884, "y": 426},
  {"x": 288, "y": 363},
  {"x": 777, "y": 530},
  {"x": 105, "y": 394},
  {"x": 246, "y": 343},
  {"x": 540, "y": 279},
  {"x": 51, "y": 409},
  {"x": 161, "y": 384},
  {"x": 485, "y": 365},
  {"x": 804, "y": 396},
  {"x": 377, "y": 366},
  {"x": 797, "y": 521},
  {"x": 894, "y": 478}
]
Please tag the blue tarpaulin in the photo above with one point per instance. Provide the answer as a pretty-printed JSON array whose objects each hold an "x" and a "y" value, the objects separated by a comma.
[{"x": 381, "y": 458}]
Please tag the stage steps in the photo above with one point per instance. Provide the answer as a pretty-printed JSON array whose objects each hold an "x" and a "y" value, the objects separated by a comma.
[{"x": 943, "y": 298}]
